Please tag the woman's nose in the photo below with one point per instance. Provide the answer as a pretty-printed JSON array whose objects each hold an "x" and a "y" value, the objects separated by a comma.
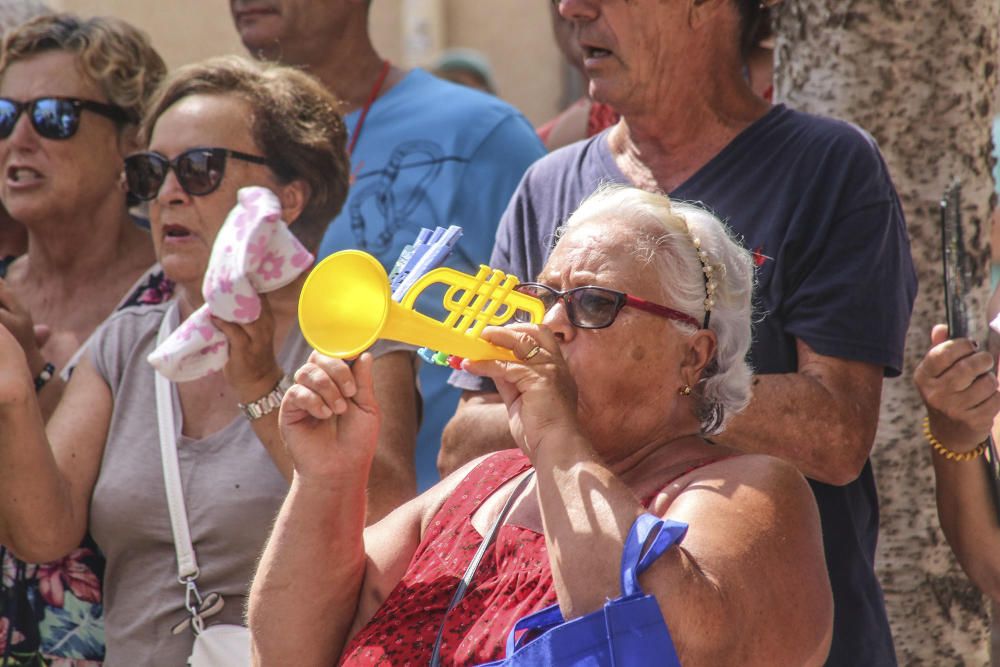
[
  {"x": 557, "y": 320},
  {"x": 22, "y": 135},
  {"x": 171, "y": 191}
]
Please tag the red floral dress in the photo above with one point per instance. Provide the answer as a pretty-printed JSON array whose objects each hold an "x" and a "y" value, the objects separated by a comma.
[{"x": 513, "y": 580}]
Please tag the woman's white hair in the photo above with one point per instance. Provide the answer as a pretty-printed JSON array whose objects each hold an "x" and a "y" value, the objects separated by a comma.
[{"x": 664, "y": 234}]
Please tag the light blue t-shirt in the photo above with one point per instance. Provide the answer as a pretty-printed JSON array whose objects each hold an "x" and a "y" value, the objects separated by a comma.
[{"x": 432, "y": 153}]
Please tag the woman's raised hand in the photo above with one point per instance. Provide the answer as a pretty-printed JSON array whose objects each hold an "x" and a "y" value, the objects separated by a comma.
[
  {"x": 252, "y": 368},
  {"x": 959, "y": 387},
  {"x": 17, "y": 319},
  {"x": 538, "y": 390},
  {"x": 329, "y": 418}
]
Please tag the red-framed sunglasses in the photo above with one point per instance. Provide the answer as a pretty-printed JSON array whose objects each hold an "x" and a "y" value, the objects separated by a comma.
[{"x": 592, "y": 307}]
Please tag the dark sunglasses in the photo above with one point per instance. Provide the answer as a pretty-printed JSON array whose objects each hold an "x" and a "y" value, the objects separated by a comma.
[
  {"x": 596, "y": 307},
  {"x": 54, "y": 117},
  {"x": 199, "y": 170}
]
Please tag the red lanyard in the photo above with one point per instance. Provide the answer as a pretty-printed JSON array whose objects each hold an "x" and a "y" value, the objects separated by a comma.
[{"x": 368, "y": 105}]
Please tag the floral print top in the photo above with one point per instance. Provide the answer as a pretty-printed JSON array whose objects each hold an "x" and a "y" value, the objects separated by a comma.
[{"x": 51, "y": 614}]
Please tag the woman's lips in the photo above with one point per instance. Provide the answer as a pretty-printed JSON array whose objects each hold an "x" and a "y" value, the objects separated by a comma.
[
  {"x": 176, "y": 233},
  {"x": 253, "y": 13},
  {"x": 20, "y": 177}
]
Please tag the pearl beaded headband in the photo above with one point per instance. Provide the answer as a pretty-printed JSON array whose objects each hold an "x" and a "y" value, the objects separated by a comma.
[{"x": 709, "y": 273}]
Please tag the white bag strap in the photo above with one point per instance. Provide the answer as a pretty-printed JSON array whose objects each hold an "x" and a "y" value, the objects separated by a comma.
[{"x": 187, "y": 565}]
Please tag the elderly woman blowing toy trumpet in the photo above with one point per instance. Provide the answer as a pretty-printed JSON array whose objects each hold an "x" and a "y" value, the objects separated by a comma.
[{"x": 641, "y": 354}]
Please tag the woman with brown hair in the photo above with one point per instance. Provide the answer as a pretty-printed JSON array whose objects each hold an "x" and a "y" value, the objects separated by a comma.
[{"x": 212, "y": 130}]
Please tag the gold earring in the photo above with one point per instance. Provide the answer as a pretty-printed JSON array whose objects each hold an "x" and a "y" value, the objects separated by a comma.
[{"x": 686, "y": 391}]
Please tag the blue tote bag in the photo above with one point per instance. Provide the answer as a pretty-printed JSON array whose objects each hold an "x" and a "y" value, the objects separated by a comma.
[{"x": 628, "y": 632}]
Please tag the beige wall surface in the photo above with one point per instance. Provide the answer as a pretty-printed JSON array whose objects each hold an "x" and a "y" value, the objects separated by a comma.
[
  {"x": 183, "y": 31},
  {"x": 513, "y": 34},
  {"x": 517, "y": 38}
]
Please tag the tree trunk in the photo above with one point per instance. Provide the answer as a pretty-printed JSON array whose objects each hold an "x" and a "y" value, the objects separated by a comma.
[{"x": 919, "y": 75}]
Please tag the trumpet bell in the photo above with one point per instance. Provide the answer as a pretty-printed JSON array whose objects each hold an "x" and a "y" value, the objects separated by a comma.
[{"x": 344, "y": 304}]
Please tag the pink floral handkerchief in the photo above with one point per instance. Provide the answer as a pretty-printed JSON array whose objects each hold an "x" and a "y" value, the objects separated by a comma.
[{"x": 254, "y": 253}]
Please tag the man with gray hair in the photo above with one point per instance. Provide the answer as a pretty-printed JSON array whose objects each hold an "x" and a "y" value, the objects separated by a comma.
[{"x": 813, "y": 201}]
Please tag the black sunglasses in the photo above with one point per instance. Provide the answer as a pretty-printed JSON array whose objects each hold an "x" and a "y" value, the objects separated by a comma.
[
  {"x": 199, "y": 170},
  {"x": 54, "y": 117},
  {"x": 596, "y": 307}
]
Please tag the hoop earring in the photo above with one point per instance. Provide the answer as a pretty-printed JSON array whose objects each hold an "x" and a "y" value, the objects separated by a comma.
[{"x": 686, "y": 391}]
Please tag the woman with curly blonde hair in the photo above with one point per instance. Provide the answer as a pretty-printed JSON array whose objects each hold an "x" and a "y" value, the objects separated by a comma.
[{"x": 72, "y": 92}]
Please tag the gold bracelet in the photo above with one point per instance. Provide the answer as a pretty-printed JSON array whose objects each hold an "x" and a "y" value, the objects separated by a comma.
[{"x": 947, "y": 453}]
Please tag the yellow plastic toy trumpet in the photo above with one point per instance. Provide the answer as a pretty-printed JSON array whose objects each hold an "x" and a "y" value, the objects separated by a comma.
[{"x": 346, "y": 305}]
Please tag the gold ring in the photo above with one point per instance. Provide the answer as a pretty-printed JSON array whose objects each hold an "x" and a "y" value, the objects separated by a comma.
[{"x": 535, "y": 350}]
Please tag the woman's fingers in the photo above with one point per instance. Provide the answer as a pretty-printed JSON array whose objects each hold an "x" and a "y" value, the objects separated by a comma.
[
  {"x": 7, "y": 298},
  {"x": 316, "y": 379},
  {"x": 249, "y": 335},
  {"x": 974, "y": 404},
  {"x": 534, "y": 346},
  {"x": 301, "y": 399},
  {"x": 957, "y": 382},
  {"x": 522, "y": 339},
  {"x": 16, "y": 317},
  {"x": 939, "y": 334},
  {"x": 940, "y": 359},
  {"x": 339, "y": 372},
  {"x": 42, "y": 334},
  {"x": 964, "y": 372},
  {"x": 365, "y": 381},
  {"x": 954, "y": 376}
]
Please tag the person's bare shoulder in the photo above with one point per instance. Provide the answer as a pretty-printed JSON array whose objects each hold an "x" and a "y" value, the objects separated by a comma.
[{"x": 754, "y": 532}]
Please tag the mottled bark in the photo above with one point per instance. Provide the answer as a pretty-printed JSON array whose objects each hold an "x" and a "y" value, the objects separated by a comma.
[{"x": 919, "y": 75}]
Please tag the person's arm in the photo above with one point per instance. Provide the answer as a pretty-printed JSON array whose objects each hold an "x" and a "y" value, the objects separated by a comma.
[
  {"x": 821, "y": 419},
  {"x": 718, "y": 613},
  {"x": 393, "y": 479},
  {"x": 959, "y": 388},
  {"x": 253, "y": 371},
  {"x": 45, "y": 490},
  {"x": 747, "y": 515},
  {"x": 478, "y": 427},
  {"x": 329, "y": 423},
  {"x": 323, "y": 575}
]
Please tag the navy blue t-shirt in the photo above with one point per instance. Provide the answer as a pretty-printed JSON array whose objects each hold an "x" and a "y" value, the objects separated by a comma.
[{"x": 812, "y": 199}]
